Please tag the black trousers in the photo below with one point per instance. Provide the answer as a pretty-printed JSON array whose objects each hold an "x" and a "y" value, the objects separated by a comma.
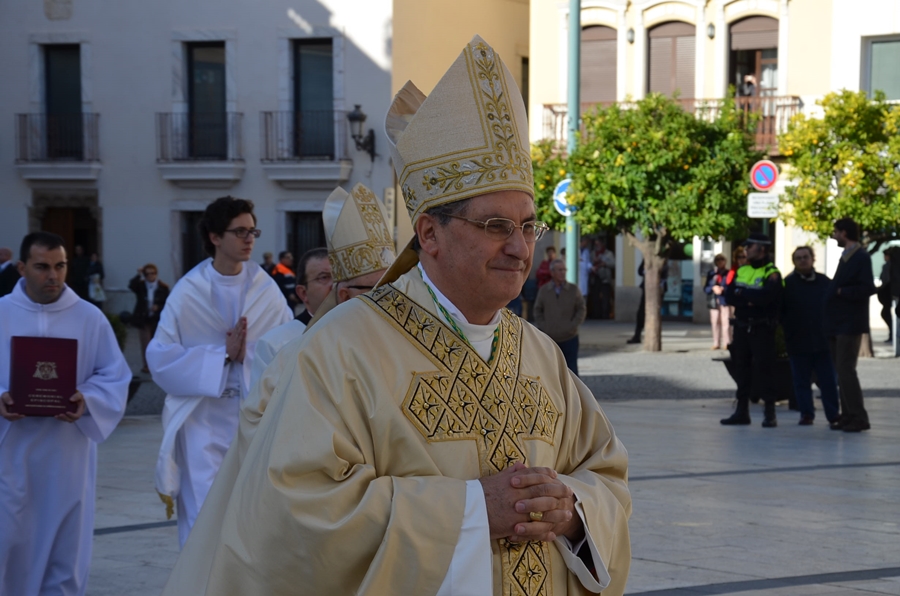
[
  {"x": 844, "y": 353},
  {"x": 753, "y": 358}
]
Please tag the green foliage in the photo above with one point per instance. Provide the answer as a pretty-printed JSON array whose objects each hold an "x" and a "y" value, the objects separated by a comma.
[
  {"x": 119, "y": 329},
  {"x": 845, "y": 164},
  {"x": 549, "y": 168},
  {"x": 652, "y": 167}
]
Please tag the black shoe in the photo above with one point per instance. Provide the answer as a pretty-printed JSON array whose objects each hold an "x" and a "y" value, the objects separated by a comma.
[
  {"x": 634, "y": 340},
  {"x": 805, "y": 421},
  {"x": 836, "y": 424},
  {"x": 736, "y": 419},
  {"x": 855, "y": 426},
  {"x": 770, "y": 423}
]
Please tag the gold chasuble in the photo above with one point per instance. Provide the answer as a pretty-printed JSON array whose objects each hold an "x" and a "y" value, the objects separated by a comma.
[{"x": 354, "y": 481}]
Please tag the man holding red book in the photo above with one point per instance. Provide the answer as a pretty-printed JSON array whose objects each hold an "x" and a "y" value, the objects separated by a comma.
[{"x": 58, "y": 401}]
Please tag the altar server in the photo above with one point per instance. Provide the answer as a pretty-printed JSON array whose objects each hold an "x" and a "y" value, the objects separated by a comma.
[
  {"x": 48, "y": 465},
  {"x": 202, "y": 355}
]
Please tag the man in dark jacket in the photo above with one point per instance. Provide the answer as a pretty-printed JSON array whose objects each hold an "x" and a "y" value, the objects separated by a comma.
[
  {"x": 755, "y": 293},
  {"x": 847, "y": 319},
  {"x": 558, "y": 311},
  {"x": 150, "y": 298},
  {"x": 802, "y": 314}
]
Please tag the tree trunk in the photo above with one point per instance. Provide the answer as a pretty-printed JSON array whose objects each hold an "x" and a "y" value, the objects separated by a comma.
[{"x": 653, "y": 266}]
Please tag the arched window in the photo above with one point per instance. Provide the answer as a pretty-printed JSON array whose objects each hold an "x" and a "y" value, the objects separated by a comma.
[
  {"x": 598, "y": 64},
  {"x": 754, "y": 53},
  {"x": 671, "y": 59}
]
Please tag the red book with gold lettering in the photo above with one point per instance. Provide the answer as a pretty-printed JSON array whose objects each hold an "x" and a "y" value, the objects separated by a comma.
[{"x": 42, "y": 375}]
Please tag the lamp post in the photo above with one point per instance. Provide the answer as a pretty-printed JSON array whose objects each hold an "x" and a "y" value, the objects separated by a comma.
[{"x": 364, "y": 142}]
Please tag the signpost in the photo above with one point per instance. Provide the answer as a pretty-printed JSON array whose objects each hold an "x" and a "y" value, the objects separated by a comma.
[
  {"x": 560, "y": 201},
  {"x": 762, "y": 205}
]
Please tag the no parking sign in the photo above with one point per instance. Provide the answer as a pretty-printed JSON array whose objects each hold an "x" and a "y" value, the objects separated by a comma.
[{"x": 763, "y": 175}]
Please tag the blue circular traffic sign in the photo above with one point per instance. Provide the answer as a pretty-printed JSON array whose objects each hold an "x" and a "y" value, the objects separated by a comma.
[
  {"x": 763, "y": 175},
  {"x": 560, "y": 201}
]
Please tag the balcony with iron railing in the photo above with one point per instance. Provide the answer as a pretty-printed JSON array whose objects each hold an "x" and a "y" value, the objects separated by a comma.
[
  {"x": 773, "y": 115},
  {"x": 58, "y": 147},
  {"x": 200, "y": 150},
  {"x": 305, "y": 149}
]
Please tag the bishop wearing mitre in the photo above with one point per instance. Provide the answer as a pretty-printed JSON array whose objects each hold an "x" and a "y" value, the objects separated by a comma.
[{"x": 421, "y": 439}]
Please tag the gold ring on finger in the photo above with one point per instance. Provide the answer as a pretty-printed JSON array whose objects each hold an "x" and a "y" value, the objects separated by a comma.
[{"x": 536, "y": 515}]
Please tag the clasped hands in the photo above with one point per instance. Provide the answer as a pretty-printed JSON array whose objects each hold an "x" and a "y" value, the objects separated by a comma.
[
  {"x": 518, "y": 491},
  {"x": 236, "y": 341}
]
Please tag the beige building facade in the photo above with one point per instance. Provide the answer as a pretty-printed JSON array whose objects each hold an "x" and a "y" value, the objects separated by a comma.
[{"x": 795, "y": 52}]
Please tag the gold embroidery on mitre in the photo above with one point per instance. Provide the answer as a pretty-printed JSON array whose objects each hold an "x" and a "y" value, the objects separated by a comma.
[
  {"x": 492, "y": 404},
  {"x": 373, "y": 253},
  {"x": 496, "y": 159}
]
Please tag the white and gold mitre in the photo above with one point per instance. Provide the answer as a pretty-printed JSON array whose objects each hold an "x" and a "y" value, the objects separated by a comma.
[
  {"x": 468, "y": 138},
  {"x": 359, "y": 239}
]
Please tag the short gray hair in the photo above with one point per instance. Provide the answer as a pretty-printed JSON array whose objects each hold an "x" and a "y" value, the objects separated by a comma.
[{"x": 556, "y": 262}]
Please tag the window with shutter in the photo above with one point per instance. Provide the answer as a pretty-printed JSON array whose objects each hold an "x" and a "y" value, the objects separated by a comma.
[
  {"x": 598, "y": 65},
  {"x": 671, "y": 59}
]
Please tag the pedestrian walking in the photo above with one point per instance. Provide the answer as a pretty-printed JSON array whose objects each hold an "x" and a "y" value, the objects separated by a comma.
[
  {"x": 558, "y": 311},
  {"x": 755, "y": 292},
  {"x": 48, "y": 464},
  {"x": 847, "y": 320},
  {"x": 802, "y": 318},
  {"x": 202, "y": 355},
  {"x": 719, "y": 313},
  {"x": 150, "y": 297}
]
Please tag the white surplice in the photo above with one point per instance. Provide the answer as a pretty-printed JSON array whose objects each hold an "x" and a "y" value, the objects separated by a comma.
[
  {"x": 48, "y": 468},
  {"x": 187, "y": 360}
]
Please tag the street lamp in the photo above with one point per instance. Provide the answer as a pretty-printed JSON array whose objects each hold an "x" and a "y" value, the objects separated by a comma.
[
  {"x": 363, "y": 142},
  {"x": 711, "y": 31}
]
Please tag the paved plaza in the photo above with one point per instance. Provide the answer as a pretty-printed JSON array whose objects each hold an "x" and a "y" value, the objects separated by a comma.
[{"x": 746, "y": 510}]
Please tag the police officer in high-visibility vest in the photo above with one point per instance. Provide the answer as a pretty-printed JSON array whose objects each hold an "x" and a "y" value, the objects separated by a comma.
[{"x": 755, "y": 292}]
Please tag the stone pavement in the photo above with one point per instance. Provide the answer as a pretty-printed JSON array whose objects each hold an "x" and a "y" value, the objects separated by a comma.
[{"x": 785, "y": 511}]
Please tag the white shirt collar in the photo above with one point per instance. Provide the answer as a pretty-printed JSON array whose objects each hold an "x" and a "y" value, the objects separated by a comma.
[{"x": 475, "y": 333}]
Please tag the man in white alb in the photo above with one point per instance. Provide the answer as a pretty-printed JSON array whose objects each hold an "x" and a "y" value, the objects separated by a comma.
[
  {"x": 202, "y": 355},
  {"x": 48, "y": 465}
]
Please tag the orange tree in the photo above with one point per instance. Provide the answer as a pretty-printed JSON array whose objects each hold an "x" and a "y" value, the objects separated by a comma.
[
  {"x": 657, "y": 174},
  {"x": 845, "y": 163}
]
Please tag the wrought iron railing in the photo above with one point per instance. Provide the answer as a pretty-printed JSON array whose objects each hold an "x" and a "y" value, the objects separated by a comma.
[
  {"x": 773, "y": 115},
  {"x": 57, "y": 137},
  {"x": 204, "y": 136},
  {"x": 306, "y": 134}
]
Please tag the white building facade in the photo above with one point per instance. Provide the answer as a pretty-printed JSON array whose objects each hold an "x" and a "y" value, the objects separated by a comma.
[
  {"x": 120, "y": 122},
  {"x": 797, "y": 50}
]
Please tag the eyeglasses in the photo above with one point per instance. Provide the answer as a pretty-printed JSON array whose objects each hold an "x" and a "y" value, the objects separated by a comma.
[
  {"x": 323, "y": 278},
  {"x": 500, "y": 228},
  {"x": 242, "y": 232}
]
